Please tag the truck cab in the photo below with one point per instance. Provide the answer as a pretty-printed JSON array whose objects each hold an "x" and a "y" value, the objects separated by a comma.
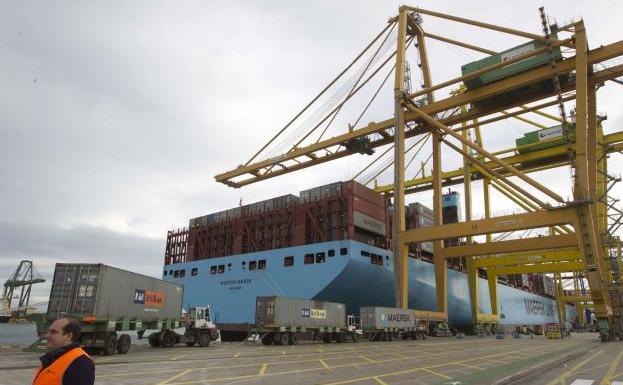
[
  {"x": 199, "y": 330},
  {"x": 353, "y": 325},
  {"x": 200, "y": 317}
]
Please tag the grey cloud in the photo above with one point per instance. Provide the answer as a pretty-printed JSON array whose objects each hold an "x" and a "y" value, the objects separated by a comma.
[{"x": 47, "y": 244}]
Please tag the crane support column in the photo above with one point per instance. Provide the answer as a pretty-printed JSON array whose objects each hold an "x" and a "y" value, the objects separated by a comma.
[
  {"x": 588, "y": 238},
  {"x": 401, "y": 265}
]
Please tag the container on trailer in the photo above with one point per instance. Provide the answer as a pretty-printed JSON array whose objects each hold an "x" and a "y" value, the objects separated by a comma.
[
  {"x": 109, "y": 293},
  {"x": 378, "y": 317},
  {"x": 274, "y": 311}
]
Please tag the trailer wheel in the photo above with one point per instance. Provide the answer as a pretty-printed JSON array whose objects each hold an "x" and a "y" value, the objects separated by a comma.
[
  {"x": 326, "y": 338},
  {"x": 190, "y": 343},
  {"x": 154, "y": 339},
  {"x": 281, "y": 338},
  {"x": 204, "y": 340},
  {"x": 267, "y": 339},
  {"x": 340, "y": 337},
  {"x": 110, "y": 344},
  {"x": 277, "y": 338},
  {"x": 123, "y": 344},
  {"x": 294, "y": 338},
  {"x": 168, "y": 339}
]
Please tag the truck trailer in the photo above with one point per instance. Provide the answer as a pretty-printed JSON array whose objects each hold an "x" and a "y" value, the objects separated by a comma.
[
  {"x": 386, "y": 323},
  {"x": 283, "y": 320},
  {"x": 109, "y": 302}
]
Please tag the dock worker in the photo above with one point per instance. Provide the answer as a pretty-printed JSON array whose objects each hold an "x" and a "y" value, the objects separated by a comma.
[{"x": 65, "y": 363}]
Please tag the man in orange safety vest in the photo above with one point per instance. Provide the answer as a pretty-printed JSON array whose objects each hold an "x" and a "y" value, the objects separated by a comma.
[{"x": 65, "y": 363}]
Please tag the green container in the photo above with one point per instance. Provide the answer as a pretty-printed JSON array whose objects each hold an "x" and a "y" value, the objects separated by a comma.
[
  {"x": 541, "y": 139},
  {"x": 512, "y": 69}
]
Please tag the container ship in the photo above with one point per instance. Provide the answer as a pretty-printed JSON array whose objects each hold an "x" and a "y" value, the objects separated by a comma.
[{"x": 331, "y": 243}]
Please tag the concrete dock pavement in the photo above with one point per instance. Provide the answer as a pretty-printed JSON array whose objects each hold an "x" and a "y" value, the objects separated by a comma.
[{"x": 433, "y": 361}]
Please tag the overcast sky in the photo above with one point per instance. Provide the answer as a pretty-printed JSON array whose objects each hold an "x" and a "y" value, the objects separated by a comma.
[{"x": 115, "y": 116}]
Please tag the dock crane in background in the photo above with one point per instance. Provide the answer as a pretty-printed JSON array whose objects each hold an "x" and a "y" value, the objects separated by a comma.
[
  {"x": 22, "y": 279},
  {"x": 582, "y": 234}
]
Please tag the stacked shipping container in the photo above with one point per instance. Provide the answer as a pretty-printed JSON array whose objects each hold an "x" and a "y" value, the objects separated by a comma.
[{"x": 342, "y": 210}]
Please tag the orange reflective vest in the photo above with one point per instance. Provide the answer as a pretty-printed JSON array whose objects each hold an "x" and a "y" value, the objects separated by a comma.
[{"x": 53, "y": 374}]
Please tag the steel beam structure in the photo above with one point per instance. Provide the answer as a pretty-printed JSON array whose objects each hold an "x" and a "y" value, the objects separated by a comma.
[
  {"x": 329, "y": 149},
  {"x": 511, "y": 246},
  {"x": 581, "y": 250}
]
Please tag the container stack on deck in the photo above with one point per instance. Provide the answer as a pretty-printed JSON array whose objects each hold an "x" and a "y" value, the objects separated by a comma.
[{"x": 342, "y": 210}]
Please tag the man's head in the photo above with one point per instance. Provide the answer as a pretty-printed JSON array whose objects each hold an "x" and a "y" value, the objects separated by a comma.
[{"x": 62, "y": 332}]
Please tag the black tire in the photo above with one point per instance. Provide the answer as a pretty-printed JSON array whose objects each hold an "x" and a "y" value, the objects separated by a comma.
[
  {"x": 340, "y": 337},
  {"x": 267, "y": 339},
  {"x": 110, "y": 344},
  {"x": 168, "y": 340},
  {"x": 390, "y": 336},
  {"x": 294, "y": 338},
  {"x": 405, "y": 336},
  {"x": 277, "y": 338},
  {"x": 326, "y": 338},
  {"x": 191, "y": 343},
  {"x": 123, "y": 344},
  {"x": 154, "y": 340},
  {"x": 284, "y": 338},
  {"x": 204, "y": 339}
]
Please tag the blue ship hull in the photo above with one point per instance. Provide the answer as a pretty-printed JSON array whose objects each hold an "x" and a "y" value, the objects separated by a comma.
[{"x": 351, "y": 279}]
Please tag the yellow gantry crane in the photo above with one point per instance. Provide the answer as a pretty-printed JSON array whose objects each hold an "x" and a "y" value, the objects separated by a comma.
[{"x": 505, "y": 85}]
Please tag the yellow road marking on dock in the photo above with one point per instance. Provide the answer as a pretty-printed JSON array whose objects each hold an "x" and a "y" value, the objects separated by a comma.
[
  {"x": 609, "y": 374},
  {"x": 100, "y": 360},
  {"x": 470, "y": 366},
  {"x": 183, "y": 373},
  {"x": 381, "y": 382},
  {"x": 237, "y": 355},
  {"x": 482, "y": 349},
  {"x": 618, "y": 375},
  {"x": 177, "y": 357},
  {"x": 263, "y": 370},
  {"x": 570, "y": 371},
  {"x": 412, "y": 370},
  {"x": 436, "y": 373},
  {"x": 341, "y": 366},
  {"x": 369, "y": 359},
  {"x": 214, "y": 379},
  {"x": 497, "y": 360},
  {"x": 400, "y": 355},
  {"x": 286, "y": 362},
  {"x": 324, "y": 363}
]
